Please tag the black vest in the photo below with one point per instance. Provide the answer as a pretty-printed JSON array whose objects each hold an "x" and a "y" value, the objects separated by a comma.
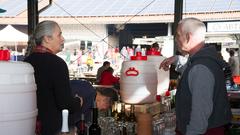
[{"x": 221, "y": 113}]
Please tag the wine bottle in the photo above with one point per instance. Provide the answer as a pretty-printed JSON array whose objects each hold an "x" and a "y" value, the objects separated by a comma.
[
  {"x": 122, "y": 119},
  {"x": 122, "y": 116},
  {"x": 109, "y": 112},
  {"x": 132, "y": 121},
  {"x": 132, "y": 117},
  {"x": 115, "y": 111},
  {"x": 65, "y": 128},
  {"x": 95, "y": 129},
  {"x": 81, "y": 128}
]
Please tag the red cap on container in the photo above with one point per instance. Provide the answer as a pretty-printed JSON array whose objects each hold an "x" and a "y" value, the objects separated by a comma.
[
  {"x": 167, "y": 93},
  {"x": 138, "y": 56},
  {"x": 158, "y": 98},
  {"x": 4, "y": 55},
  {"x": 153, "y": 51},
  {"x": 1, "y": 55}
]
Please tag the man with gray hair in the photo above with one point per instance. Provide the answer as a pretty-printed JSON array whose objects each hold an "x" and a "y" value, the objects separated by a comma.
[
  {"x": 202, "y": 106},
  {"x": 52, "y": 78}
]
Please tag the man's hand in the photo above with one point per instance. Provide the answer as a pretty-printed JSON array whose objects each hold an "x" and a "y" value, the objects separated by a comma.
[{"x": 165, "y": 65}]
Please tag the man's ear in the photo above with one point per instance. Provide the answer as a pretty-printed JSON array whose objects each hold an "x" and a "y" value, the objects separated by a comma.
[
  {"x": 47, "y": 39},
  {"x": 188, "y": 36}
]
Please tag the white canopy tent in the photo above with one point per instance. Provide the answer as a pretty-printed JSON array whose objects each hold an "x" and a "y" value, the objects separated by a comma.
[{"x": 9, "y": 36}]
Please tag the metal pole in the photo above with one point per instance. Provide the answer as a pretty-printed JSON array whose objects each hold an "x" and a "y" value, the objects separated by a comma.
[
  {"x": 178, "y": 11},
  {"x": 32, "y": 22},
  {"x": 32, "y": 15}
]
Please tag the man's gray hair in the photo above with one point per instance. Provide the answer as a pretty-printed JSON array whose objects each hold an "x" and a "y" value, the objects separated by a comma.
[
  {"x": 194, "y": 26},
  {"x": 44, "y": 28}
]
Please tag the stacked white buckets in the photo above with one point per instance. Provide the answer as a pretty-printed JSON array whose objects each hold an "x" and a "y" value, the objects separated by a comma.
[
  {"x": 141, "y": 79},
  {"x": 18, "y": 108}
]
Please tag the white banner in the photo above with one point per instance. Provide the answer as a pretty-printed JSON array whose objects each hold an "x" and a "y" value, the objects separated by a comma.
[{"x": 223, "y": 26}]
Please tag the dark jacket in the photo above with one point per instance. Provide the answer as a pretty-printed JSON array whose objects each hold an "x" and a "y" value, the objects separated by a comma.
[
  {"x": 84, "y": 89},
  {"x": 221, "y": 113},
  {"x": 53, "y": 91}
]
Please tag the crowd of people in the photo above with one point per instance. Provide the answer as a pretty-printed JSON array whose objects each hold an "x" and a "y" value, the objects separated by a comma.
[{"x": 202, "y": 106}]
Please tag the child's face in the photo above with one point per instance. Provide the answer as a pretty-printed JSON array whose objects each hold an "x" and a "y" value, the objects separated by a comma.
[{"x": 103, "y": 102}]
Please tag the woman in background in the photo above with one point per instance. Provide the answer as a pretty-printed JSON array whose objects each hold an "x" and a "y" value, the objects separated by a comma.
[{"x": 107, "y": 77}]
